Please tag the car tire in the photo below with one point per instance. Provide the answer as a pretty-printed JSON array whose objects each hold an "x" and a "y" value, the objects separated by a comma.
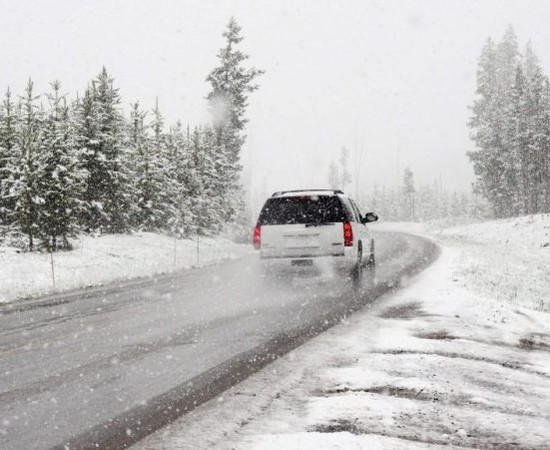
[
  {"x": 357, "y": 271},
  {"x": 370, "y": 268},
  {"x": 370, "y": 271}
]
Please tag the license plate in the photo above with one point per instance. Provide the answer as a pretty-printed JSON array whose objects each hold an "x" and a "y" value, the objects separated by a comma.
[{"x": 302, "y": 262}]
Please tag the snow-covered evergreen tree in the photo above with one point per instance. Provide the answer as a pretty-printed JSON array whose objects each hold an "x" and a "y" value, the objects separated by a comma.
[
  {"x": 207, "y": 206},
  {"x": 409, "y": 192},
  {"x": 92, "y": 161},
  {"x": 510, "y": 129},
  {"x": 180, "y": 165},
  {"x": 20, "y": 185},
  {"x": 536, "y": 135},
  {"x": 345, "y": 174},
  {"x": 375, "y": 201},
  {"x": 514, "y": 150},
  {"x": 542, "y": 141},
  {"x": 510, "y": 85},
  {"x": 100, "y": 134},
  {"x": 486, "y": 160},
  {"x": 231, "y": 83},
  {"x": 8, "y": 126},
  {"x": 151, "y": 180},
  {"x": 59, "y": 180},
  {"x": 339, "y": 175},
  {"x": 115, "y": 197},
  {"x": 136, "y": 145},
  {"x": 163, "y": 173},
  {"x": 333, "y": 176},
  {"x": 487, "y": 121}
]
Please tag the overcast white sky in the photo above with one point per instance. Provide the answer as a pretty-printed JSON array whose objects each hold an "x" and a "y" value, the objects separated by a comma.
[{"x": 380, "y": 77}]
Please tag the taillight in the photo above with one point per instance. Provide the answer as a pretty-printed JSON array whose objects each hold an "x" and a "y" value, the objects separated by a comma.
[
  {"x": 257, "y": 237},
  {"x": 348, "y": 235}
]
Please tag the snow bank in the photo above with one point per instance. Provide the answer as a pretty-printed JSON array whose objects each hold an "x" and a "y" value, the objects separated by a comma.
[
  {"x": 506, "y": 259},
  {"x": 529, "y": 232},
  {"x": 98, "y": 260}
]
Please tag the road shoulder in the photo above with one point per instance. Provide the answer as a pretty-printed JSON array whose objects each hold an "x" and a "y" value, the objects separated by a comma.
[{"x": 105, "y": 261}]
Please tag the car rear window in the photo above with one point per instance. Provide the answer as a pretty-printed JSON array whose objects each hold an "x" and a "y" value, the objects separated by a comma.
[{"x": 302, "y": 209}]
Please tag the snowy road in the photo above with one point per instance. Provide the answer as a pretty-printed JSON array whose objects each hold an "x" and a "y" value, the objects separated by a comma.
[{"x": 110, "y": 366}]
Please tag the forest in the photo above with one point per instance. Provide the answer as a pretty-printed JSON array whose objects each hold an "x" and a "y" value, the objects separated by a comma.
[
  {"x": 510, "y": 126},
  {"x": 80, "y": 165}
]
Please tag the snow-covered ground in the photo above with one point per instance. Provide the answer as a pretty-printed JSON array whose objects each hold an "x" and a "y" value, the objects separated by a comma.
[
  {"x": 507, "y": 259},
  {"x": 453, "y": 360},
  {"x": 99, "y": 260}
]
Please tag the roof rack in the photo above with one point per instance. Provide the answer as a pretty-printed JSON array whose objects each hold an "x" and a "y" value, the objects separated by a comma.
[{"x": 334, "y": 191}]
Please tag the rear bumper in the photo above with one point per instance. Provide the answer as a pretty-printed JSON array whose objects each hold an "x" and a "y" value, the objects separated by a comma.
[
  {"x": 314, "y": 253},
  {"x": 342, "y": 260},
  {"x": 302, "y": 256}
]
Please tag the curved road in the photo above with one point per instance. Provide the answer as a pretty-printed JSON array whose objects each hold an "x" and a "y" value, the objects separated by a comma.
[{"x": 105, "y": 367}]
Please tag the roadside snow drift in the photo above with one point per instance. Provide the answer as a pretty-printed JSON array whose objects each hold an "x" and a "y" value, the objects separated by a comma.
[
  {"x": 99, "y": 260},
  {"x": 508, "y": 259}
]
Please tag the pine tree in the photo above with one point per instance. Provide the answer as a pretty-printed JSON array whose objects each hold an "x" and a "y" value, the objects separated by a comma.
[
  {"x": 345, "y": 175},
  {"x": 333, "y": 176},
  {"x": 510, "y": 83},
  {"x": 542, "y": 140},
  {"x": 487, "y": 163},
  {"x": 507, "y": 60},
  {"x": 213, "y": 187},
  {"x": 515, "y": 147},
  {"x": 206, "y": 206},
  {"x": 161, "y": 179},
  {"x": 177, "y": 142},
  {"x": 115, "y": 196},
  {"x": 8, "y": 126},
  {"x": 536, "y": 133},
  {"x": 395, "y": 210},
  {"x": 20, "y": 185},
  {"x": 100, "y": 136},
  {"x": 339, "y": 175},
  {"x": 146, "y": 155},
  {"x": 231, "y": 83},
  {"x": 409, "y": 195},
  {"x": 92, "y": 161},
  {"x": 59, "y": 180},
  {"x": 136, "y": 143},
  {"x": 493, "y": 124}
]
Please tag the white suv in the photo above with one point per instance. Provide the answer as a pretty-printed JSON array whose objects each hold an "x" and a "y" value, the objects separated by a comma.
[{"x": 300, "y": 227}]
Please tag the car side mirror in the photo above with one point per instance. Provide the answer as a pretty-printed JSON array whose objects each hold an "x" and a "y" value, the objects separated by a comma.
[{"x": 369, "y": 217}]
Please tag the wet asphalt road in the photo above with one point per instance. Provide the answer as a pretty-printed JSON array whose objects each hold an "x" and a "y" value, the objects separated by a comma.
[{"x": 106, "y": 367}]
